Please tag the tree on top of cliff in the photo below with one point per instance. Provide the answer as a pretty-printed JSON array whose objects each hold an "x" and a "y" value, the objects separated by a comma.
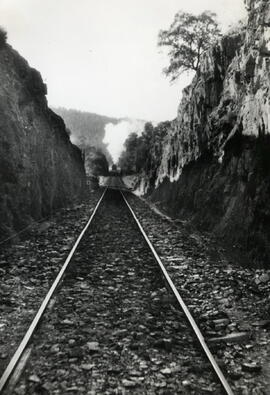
[
  {"x": 187, "y": 38},
  {"x": 3, "y": 37}
]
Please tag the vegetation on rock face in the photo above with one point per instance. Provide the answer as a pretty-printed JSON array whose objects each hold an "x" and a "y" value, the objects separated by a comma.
[
  {"x": 96, "y": 163},
  {"x": 141, "y": 152},
  {"x": 3, "y": 37},
  {"x": 214, "y": 168},
  {"x": 187, "y": 38},
  {"x": 127, "y": 160}
]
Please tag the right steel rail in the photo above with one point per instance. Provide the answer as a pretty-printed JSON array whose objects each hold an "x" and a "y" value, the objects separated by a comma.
[{"x": 184, "y": 307}]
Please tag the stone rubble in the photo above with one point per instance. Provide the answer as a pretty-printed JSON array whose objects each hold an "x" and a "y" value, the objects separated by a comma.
[
  {"x": 230, "y": 302},
  {"x": 28, "y": 268},
  {"x": 100, "y": 334},
  {"x": 114, "y": 328}
]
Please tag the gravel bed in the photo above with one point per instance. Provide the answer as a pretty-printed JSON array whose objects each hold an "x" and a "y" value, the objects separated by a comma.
[
  {"x": 28, "y": 268},
  {"x": 230, "y": 302},
  {"x": 113, "y": 328}
]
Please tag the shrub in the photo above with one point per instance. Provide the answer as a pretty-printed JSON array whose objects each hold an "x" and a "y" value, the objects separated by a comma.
[{"x": 3, "y": 37}]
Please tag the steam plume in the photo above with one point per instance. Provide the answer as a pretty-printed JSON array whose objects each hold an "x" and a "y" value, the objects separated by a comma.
[{"x": 115, "y": 135}]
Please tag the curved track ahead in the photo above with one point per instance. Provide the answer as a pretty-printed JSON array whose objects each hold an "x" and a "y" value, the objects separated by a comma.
[{"x": 114, "y": 247}]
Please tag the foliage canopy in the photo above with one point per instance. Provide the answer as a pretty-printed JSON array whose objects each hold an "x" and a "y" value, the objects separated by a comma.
[
  {"x": 140, "y": 151},
  {"x": 3, "y": 37},
  {"x": 187, "y": 38}
]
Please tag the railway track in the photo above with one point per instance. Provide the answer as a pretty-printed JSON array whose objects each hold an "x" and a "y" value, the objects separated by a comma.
[{"x": 109, "y": 325}]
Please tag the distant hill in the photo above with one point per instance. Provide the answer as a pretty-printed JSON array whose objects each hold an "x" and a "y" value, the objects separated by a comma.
[{"x": 87, "y": 129}]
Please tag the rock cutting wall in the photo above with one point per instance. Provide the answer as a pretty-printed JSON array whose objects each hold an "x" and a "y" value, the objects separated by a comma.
[
  {"x": 215, "y": 165},
  {"x": 40, "y": 170}
]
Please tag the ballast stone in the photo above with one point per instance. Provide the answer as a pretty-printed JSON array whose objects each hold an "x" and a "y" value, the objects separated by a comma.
[{"x": 237, "y": 337}]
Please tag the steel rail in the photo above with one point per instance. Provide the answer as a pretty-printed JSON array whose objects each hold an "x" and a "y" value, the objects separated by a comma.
[
  {"x": 20, "y": 350},
  {"x": 184, "y": 307}
]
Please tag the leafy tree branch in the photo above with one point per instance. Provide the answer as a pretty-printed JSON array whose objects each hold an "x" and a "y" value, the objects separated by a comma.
[{"x": 186, "y": 39}]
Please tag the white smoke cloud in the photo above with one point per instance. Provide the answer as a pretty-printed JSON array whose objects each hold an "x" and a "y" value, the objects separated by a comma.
[
  {"x": 115, "y": 135},
  {"x": 74, "y": 139}
]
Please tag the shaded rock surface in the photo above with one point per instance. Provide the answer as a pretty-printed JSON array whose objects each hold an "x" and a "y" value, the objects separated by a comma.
[
  {"x": 40, "y": 170},
  {"x": 215, "y": 167}
]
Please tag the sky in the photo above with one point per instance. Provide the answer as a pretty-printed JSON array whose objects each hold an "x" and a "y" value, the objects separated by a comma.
[{"x": 101, "y": 55}]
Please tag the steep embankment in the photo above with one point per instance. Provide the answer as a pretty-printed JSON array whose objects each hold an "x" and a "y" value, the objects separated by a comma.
[
  {"x": 40, "y": 169},
  {"x": 87, "y": 129},
  {"x": 215, "y": 162}
]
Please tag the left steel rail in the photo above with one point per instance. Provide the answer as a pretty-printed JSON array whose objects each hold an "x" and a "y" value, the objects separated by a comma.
[{"x": 27, "y": 337}]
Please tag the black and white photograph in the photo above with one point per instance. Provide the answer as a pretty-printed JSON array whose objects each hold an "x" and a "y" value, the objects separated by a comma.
[{"x": 135, "y": 197}]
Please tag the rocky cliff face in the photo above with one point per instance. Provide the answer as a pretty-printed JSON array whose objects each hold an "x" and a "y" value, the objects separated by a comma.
[
  {"x": 215, "y": 164},
  {"x": 40, "y": 170}
]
